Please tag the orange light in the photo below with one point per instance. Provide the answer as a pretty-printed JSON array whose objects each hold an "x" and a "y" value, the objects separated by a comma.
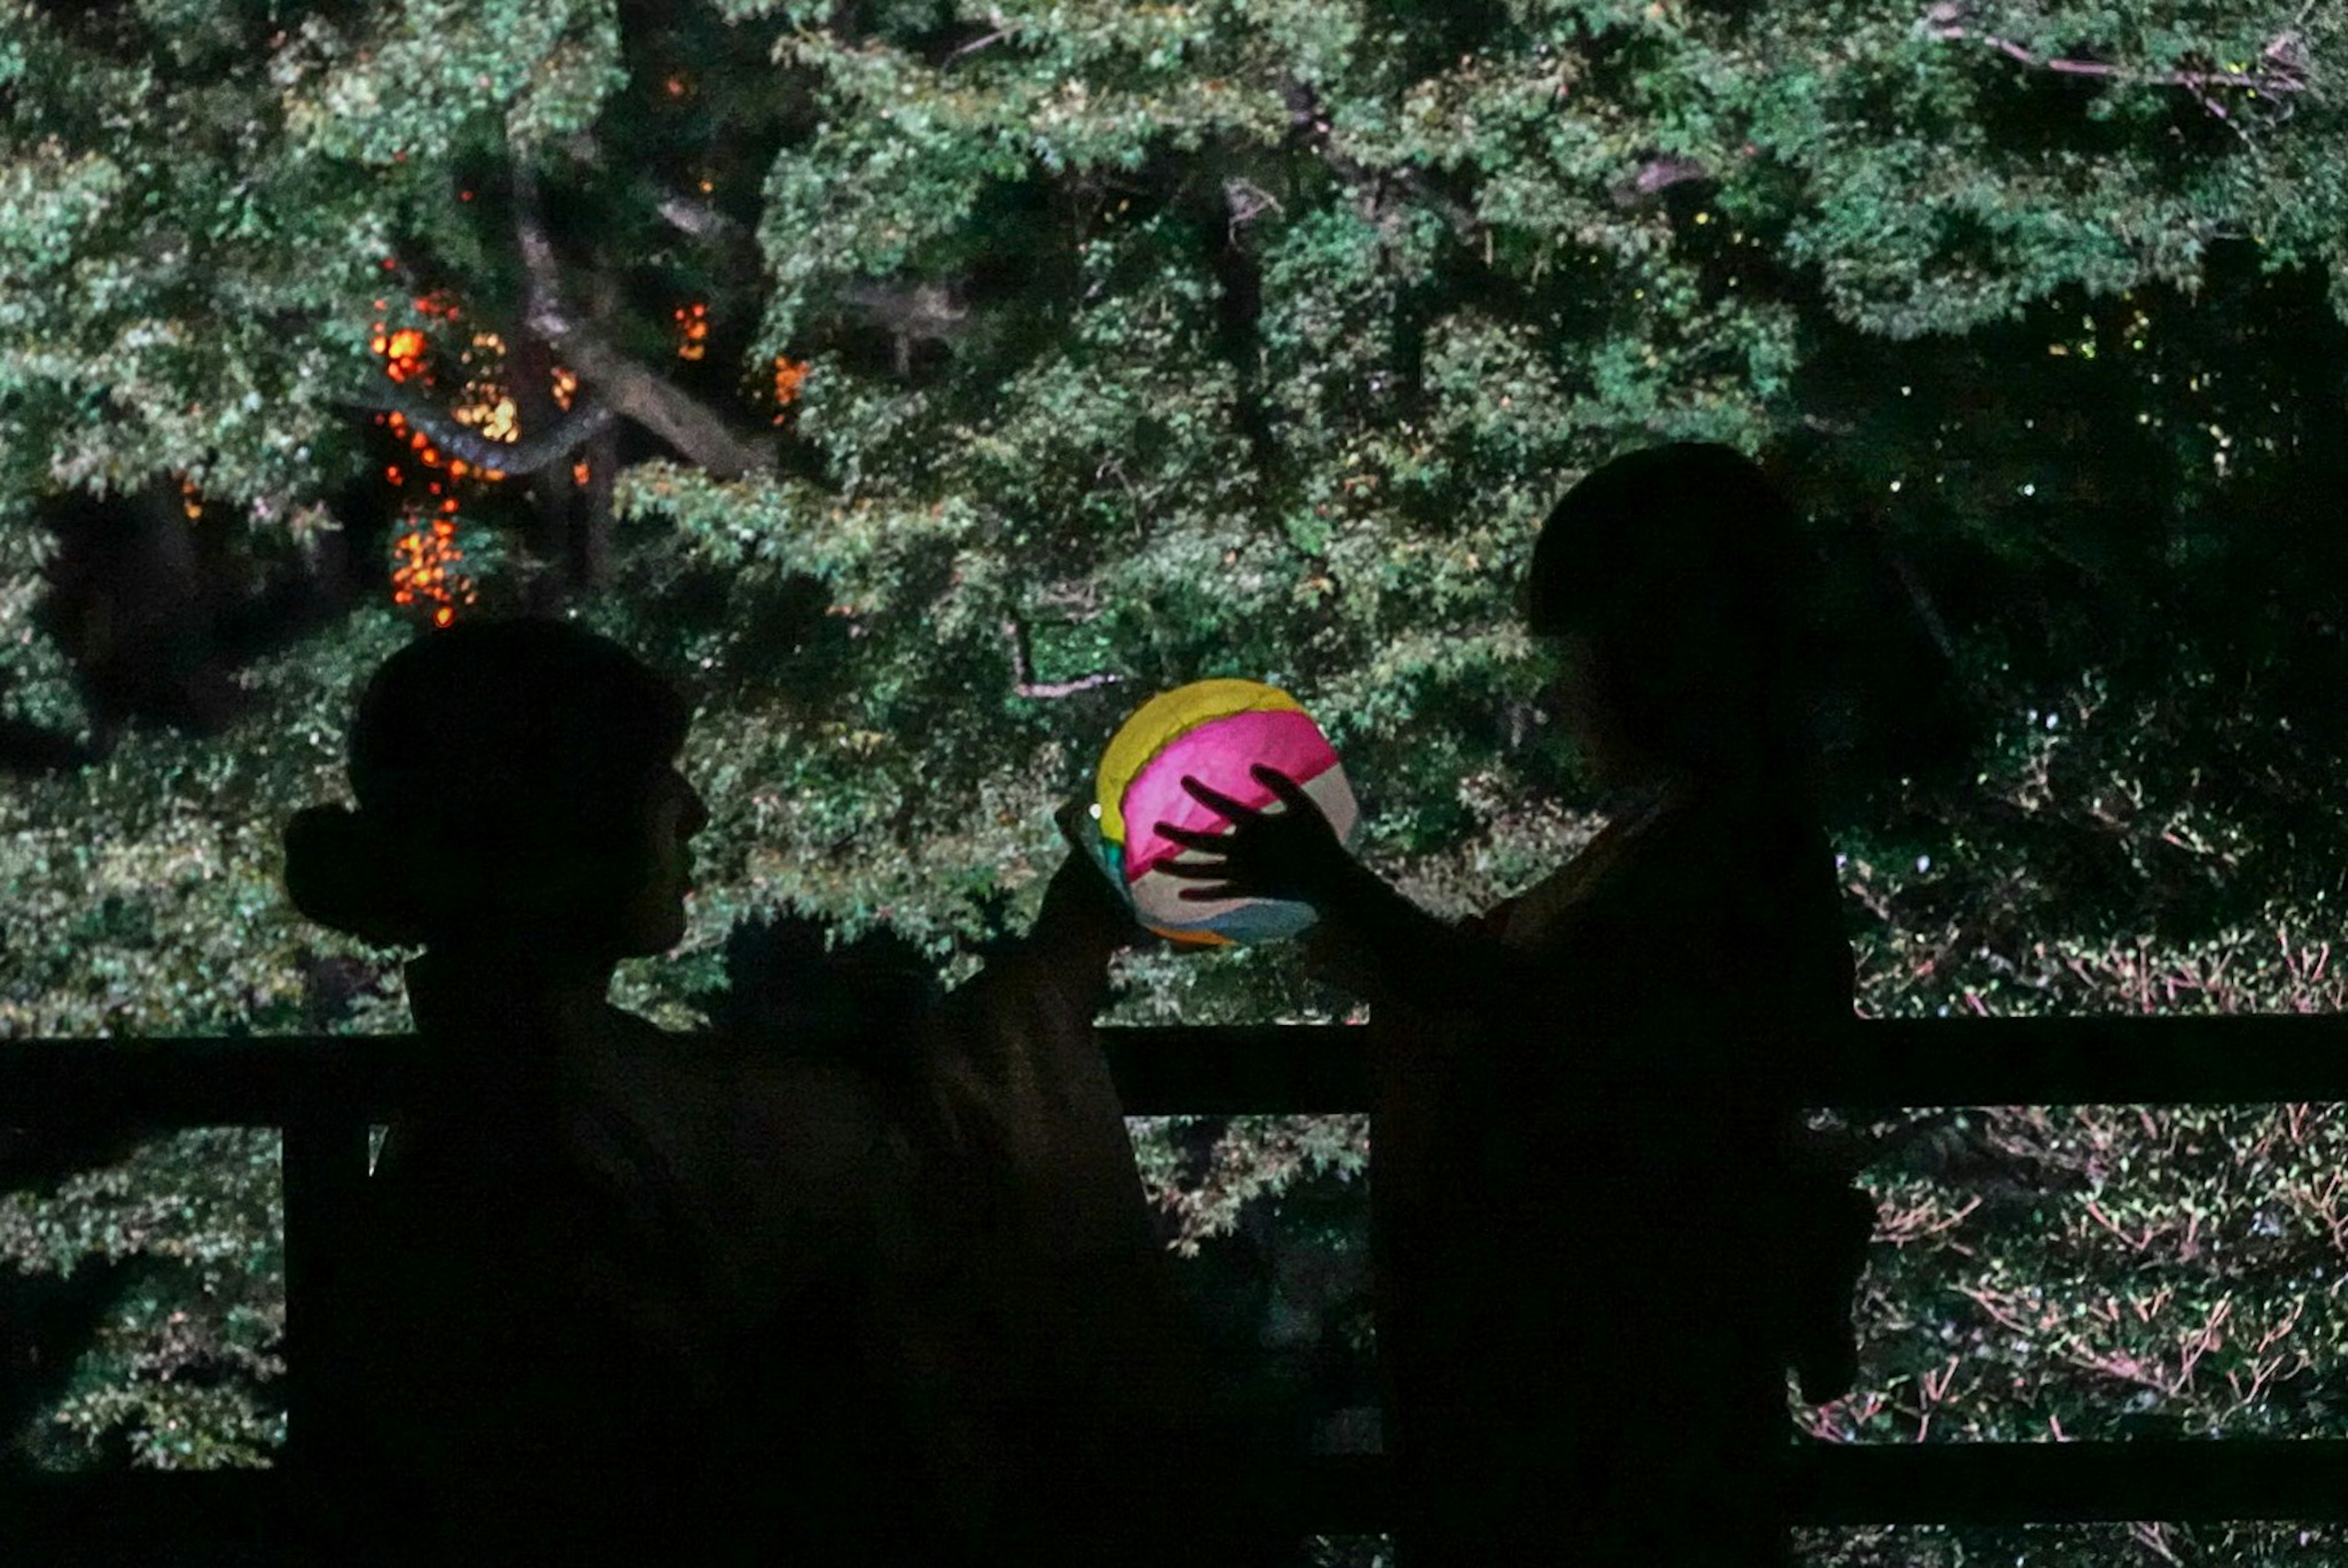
[
  {"x": 431, "y": 458},
  {"x": 443, "y": 616},
  {"x": 378, "y": 344},
  {"x": 790, "y": 374},
  {"x": 493, "y": 475},
  {"x": 406, "y": 343},
  {"x": 675, "y": 86},
  {"x": 578, "y": 473},
  {"x": 392, "y": 473},
  {"x": 457, "y": 468}
]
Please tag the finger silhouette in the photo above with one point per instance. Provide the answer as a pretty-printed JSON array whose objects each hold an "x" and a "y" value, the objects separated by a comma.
[
  {"x": 1191, "y": 837},
  {"x": 1215, "y": 801},
  {"x": 1194, "y": 870},
  {"x": 1281, "y": 784}
]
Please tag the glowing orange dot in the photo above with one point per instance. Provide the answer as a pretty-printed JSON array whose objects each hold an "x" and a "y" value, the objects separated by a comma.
[
  {"x": 431, "y": 458},
  {"x": 449, "y": 505},
  {"x": 418, "y": 441},
  {"x": 579, "y": 473},
  {"x": 457, "y": 469},
  {"x": 675, "y": 86},
  {"x": 493, "y": 473},
  {"x": 392, "y": 473},
  {"x": 443, "y": 616},
  {"x": 377, "y": 345},
  {"x": 406, "y": 343}
]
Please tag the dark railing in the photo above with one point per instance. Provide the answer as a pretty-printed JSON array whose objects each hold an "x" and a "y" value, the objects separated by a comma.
[{"x": 326, "y": 1091}]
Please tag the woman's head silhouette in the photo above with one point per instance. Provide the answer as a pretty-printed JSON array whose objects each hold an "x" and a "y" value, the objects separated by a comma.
[
  {"x": 1670, "y": 575},
  {"x": 517, "y": 794}
]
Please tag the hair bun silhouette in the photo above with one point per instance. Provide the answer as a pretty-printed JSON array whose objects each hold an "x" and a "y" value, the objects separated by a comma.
[
  {"x": 484, "y": 749},
  {"x": 339, "y": 874}
]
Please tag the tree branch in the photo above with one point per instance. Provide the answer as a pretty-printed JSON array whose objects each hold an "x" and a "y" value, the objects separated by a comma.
[
  {"x": 700, "y": 219},
  {"x": 631, "y": 388},
  {"x": 2284, "y": 57},
  {"x": 531, "y": 454},
  {"x": 1310, "y": 125},
  {"x": 1023, "y": 670}
]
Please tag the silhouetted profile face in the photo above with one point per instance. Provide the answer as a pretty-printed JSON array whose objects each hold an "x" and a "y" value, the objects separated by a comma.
[
  {"x": 654, "y": 919},
  {"x": 1577, "y": 698},
  {"x": 1662, "y": 588},
  {"x": 519, "y": 807}
]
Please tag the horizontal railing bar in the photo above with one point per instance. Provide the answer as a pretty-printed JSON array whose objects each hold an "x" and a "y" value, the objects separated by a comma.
[
  {"x": 1828, "y": 1485},
  {"x": 2186, "y": 1481},
  {"x": 1291, "y": 1069},
  {"x": 119, "y": 1516}
]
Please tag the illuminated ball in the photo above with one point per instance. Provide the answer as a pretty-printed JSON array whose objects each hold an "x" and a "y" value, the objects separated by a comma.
[{"x": 1214, "y": 732}]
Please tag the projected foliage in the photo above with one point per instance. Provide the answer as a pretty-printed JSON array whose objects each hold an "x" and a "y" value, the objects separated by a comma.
[{"x": 926, "y": 385}]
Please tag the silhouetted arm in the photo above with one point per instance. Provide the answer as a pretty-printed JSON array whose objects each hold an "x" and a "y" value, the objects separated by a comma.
[{"x": 1416, "y": 958}]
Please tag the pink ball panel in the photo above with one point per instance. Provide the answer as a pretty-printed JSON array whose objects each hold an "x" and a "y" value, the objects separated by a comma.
[{"x": 1217, "y": 753}]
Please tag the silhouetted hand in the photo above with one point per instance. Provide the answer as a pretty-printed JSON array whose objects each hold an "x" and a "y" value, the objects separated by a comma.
[
  {"x": 1079, "y": 905},
  {"x": 1294, "y": 855}
]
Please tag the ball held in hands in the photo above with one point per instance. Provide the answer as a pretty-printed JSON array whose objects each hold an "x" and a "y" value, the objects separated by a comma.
[{"x": 1254, "y": 752}]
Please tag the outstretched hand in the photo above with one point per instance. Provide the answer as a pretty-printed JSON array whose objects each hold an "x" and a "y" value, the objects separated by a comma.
[
  {"x": 1294, "y": 855},
  {"x": 1079, "y": 905}
]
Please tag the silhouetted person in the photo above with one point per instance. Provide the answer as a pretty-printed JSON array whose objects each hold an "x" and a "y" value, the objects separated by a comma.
[
  {"x": 1598, "y": 1235},
  {"x": 1091, "y": 1423},
  {"x": 774, "y": 1297},
  {"x": 615, "y": 1297}
]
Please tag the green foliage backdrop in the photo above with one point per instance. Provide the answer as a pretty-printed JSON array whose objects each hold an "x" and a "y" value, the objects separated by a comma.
[{"x": 1121, "y": 345}]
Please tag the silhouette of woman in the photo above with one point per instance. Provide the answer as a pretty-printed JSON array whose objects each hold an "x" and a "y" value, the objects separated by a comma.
[
  {"x": 718, "y": 1302},
  {"x": 614, "y": 1298},
  {"x": 1089, "y": 1420},
  {"x": 1596, "y": 1228}
]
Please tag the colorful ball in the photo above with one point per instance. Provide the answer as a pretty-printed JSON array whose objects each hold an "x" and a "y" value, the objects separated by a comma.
[{"x": 1214, "y": 732}]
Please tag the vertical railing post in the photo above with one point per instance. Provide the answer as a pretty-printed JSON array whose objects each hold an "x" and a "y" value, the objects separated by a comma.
[{"x": 324, "y": 1171}]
